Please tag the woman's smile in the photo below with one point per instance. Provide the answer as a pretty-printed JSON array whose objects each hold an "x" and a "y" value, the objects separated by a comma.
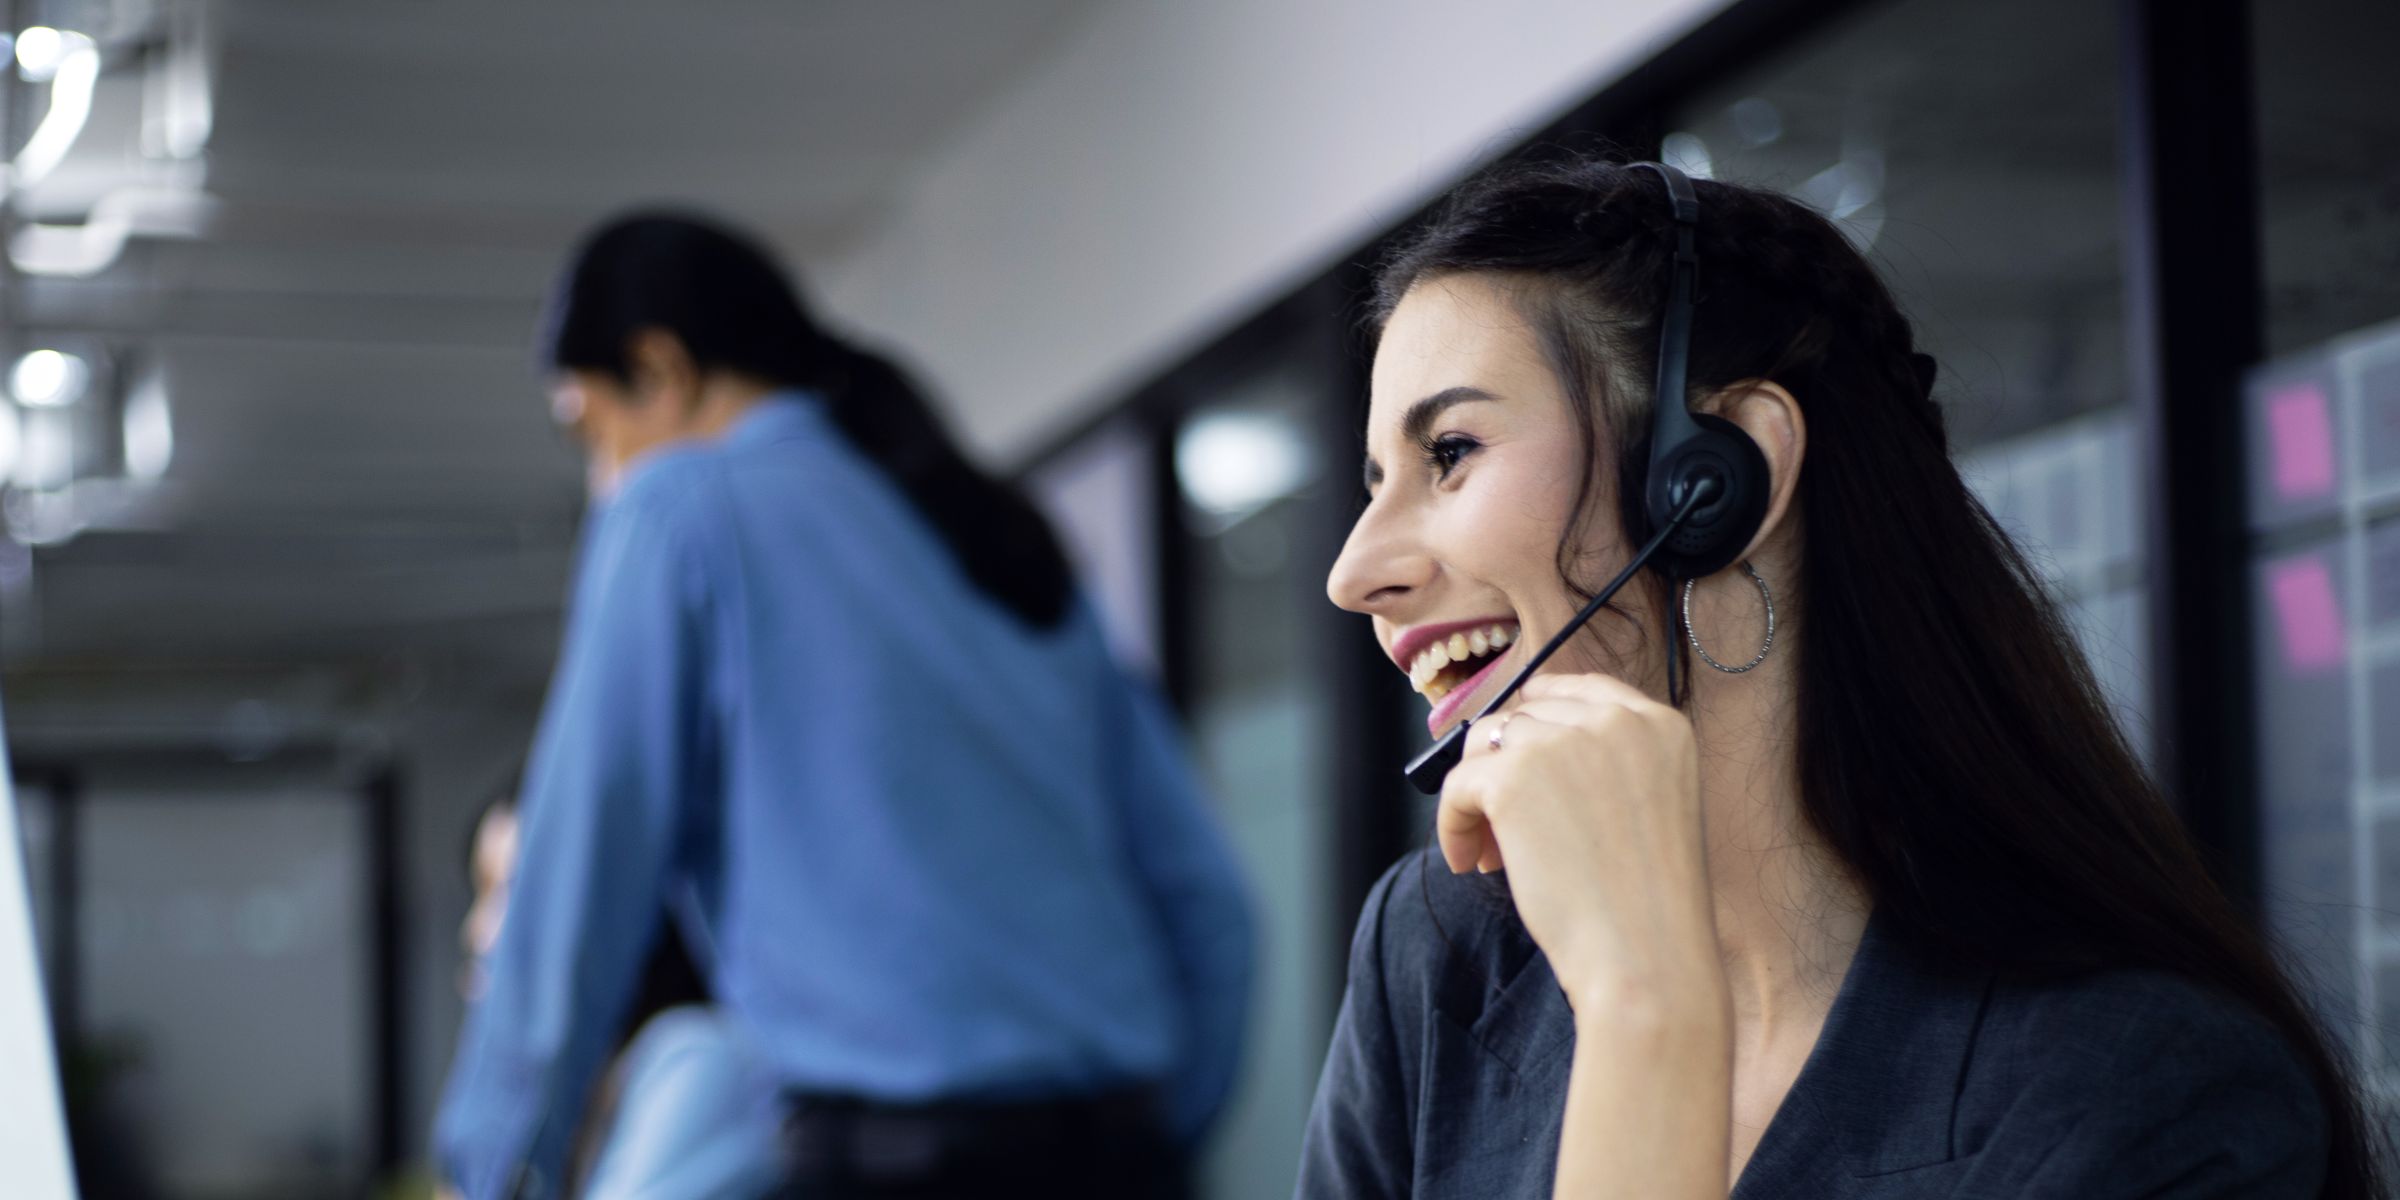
[{"x": 1449, "y": 662}]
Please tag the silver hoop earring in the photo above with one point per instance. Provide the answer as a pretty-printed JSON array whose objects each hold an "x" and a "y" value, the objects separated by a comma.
[{"x": 1694, "y": 634}]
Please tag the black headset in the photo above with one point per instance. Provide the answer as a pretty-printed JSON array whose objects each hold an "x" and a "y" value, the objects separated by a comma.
[
  {"x": 1688, "y": 450},
  {"x": 1704, "y": 494}
]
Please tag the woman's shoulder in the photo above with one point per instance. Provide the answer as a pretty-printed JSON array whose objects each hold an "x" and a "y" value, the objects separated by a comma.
[
  {"x": 2142, "y": 1048},
  {"x": 787, "y": 436},
  {"x": 2091, "y": 1082},
  {"x": 672, "y": 490},
  {"x": 2103, "y": 1018},
  {"x": 1429, "y": 939},
  {"x": 1450, "y": 1011},
  {"x": 818, "y": 489}
]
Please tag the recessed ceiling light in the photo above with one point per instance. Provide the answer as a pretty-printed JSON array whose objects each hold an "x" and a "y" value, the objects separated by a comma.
[
  {"x": 48, "y": 379},
  {"x": 39, "y": 51}
]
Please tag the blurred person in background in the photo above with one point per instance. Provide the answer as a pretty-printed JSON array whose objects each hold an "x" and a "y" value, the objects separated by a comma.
[
  {"x": 1878, "y": 903},
  {"x": 830, "y": 695},
  {"x": 685, "y": 1107}
]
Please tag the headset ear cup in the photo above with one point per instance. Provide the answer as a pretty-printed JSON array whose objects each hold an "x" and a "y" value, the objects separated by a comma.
[{"x": 1716, "y": 532}]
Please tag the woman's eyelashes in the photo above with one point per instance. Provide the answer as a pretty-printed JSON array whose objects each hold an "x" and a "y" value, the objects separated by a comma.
[{"x": 1444, "y": 453}]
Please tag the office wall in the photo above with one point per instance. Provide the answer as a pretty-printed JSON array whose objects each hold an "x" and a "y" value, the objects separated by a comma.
[{"x": 1168, "y": 167}]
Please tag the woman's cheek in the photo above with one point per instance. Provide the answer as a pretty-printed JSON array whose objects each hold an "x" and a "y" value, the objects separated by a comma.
[{"x": 1508, "y": 529}]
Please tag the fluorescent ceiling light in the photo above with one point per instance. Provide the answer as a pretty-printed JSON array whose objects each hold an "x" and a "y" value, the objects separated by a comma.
[
  {"x": 73, "y": 75},
  {"x": 79, "y": 251},
  {"x": 177, "y": 110},
  {"x": 48, "y": 379},
  {"x": 149, "y": 430},
  {"x": 40, "y": 50}
]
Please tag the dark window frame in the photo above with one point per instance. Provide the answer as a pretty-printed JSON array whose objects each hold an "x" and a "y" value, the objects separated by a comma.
[{"x": 2195, "y": 325}]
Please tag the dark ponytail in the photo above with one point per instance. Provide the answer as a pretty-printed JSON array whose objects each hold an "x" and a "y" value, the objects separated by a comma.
[
  {"x": 1002, "y": 542},
  {"x": 733, "y": 310}
]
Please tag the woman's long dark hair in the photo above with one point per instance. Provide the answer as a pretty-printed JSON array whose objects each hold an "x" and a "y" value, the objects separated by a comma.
[
  {"x": 1954, "y": 749},
  {"x": 733, "y": 309}
]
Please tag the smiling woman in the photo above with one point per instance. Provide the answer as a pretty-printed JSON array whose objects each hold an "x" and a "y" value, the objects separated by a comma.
[{"x": 1879, "y": 906}]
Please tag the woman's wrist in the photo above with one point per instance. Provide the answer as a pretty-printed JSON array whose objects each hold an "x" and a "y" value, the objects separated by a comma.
[
  {"x": 1668, "y": 1007},
  {"x": 1649, "y": 1100}
]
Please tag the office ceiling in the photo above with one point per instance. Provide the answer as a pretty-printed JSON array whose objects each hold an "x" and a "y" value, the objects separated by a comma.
[{"x": 363, "y": 471}]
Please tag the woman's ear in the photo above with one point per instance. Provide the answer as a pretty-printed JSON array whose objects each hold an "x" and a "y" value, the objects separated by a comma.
[
  {"x": 1772, "y": 417},
  {"x": 661, "y": 370}
]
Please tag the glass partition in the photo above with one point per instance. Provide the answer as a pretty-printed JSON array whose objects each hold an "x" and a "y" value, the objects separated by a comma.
[
  {"x": 1251, "y": 477},
  {"x": 2325, "y": 542},
  {"x": 2323, "y": 437},
  {"x": 1971, "y": 151}
]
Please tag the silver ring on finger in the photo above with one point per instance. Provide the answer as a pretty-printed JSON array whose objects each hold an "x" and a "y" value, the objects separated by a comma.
[{"x": 1499, "y": 731}]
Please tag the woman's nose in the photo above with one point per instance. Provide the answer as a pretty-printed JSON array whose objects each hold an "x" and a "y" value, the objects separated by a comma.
[{"x": 1379, "y": 566}]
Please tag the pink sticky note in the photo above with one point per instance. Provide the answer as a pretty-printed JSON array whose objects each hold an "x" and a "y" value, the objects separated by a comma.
[
  {"x": 2306, "y": 613},
  {"x": 2300, "y": 433}
]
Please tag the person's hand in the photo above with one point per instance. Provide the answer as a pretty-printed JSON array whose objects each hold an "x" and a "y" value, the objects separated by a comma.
[{"x": 1592, "y": 804}]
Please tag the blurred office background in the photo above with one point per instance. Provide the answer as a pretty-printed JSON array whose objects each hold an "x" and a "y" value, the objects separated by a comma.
[{"x": 287, "y": 529}]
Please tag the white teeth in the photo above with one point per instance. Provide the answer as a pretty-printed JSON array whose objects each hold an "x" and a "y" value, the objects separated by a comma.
[{"x": 1425, "y": 673}]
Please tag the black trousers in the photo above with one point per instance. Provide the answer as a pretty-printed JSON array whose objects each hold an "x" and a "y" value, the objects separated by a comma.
[{"x": 1113, "y": 1145}]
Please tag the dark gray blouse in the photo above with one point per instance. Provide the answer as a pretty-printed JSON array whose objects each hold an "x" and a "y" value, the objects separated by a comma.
[{"x": 1448, "y": 1076}]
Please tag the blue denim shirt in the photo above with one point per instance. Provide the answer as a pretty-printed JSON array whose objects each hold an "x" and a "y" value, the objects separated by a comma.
[
  {"x": 923, "y": 850},
  {"x": 1448, "y": 1075}
]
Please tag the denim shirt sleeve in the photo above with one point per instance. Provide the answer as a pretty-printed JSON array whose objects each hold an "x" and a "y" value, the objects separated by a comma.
[
  {"x": 1195, "y": 886},
  {"x": 623, "y": 732},
  {"x": 1359, "y": 1140}
]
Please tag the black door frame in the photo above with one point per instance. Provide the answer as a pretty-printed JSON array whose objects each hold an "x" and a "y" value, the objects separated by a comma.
[{"x": 64, "y": 782}]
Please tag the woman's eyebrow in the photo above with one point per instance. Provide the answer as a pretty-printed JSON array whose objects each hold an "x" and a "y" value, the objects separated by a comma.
[
  {"x": 1421, "y": 414},
  {"x": 1420, "y": 418}
]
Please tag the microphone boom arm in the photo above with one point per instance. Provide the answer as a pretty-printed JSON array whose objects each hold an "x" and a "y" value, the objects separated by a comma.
[{"x": 1429, "y": 769}]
